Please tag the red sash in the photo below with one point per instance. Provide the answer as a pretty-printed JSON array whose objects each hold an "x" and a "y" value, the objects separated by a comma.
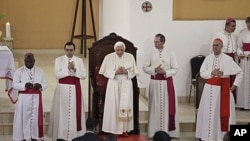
[
  {"x": 230, "y": 54},
  {"x": 40, "y": 108},
  {"x": 246, "y": 46},
  {"x": 75, "y": 81},
  {"x": 224, "y": 100},
  {"x": 171, "y": 99}
]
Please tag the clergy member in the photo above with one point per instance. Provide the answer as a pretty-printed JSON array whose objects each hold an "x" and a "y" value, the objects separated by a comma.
[
  {"x": 119, "y": 67},
  {"x": 29, "y": 81},
  {"x": 67, "y": 116},
  {"x": 161, "y": 65},
  {"x": 229, "y": 40},
  {"x": 216, "y": 110},
  {"x": 243, "y": 93}
]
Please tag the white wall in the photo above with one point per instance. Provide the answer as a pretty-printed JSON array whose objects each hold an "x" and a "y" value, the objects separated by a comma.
[{"x": 186, "y": 38}]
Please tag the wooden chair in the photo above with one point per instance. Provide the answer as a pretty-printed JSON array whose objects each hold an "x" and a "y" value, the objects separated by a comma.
[{"x": 97, "y": 82}]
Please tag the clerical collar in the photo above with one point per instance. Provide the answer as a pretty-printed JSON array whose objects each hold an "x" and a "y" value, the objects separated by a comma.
[
  {"x": 160, "y": 50},
  {"x": 119, "y": 56},
  {"x": 29, "y": 69},
  {"x": 227, "y": 33},
  {"x": 69, "y": 58},
  {"x": 217, "y": 55}
]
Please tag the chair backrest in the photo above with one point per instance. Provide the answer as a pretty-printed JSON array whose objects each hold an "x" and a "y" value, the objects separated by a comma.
[
  {"x": 98, "y": 51},
  {"x": 98, "y": 83},
  {"x": 196, "y": 63},
  {"x": 199, "y": 85}
]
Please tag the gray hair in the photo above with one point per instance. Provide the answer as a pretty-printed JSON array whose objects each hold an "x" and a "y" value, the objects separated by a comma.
[{"x": 119, "y": 44}]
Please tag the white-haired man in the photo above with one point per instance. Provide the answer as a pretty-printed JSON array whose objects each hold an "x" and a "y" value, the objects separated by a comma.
[
  {"x": 119, "y": 67},
  {"x": 217, "y": 109}
]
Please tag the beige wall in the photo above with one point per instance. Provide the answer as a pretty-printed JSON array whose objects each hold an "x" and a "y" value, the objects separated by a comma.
[
  {"x": 43, "y": 24},
  {"x": 210, "y": 9}
]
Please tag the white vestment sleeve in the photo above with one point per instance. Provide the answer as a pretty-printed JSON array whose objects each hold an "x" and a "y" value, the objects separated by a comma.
[
  {"x": 174, "y": 66},
  {"x": 132, "y": 71},
  {"x": 147, "y": 66},
  {"x": 80, "y": 69},
  {"x": 205, "y": 72},
  {"x": 60, "y": 72},
  {"x": 18, "y": 84},
  {"x": 106, "y": 68}
]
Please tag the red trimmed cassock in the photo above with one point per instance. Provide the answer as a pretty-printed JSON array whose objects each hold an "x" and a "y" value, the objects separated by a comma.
[
  {"x": 217, "y": 108},
  {"x": 243, "y": 93},
  {"x": 28, "y": 118},
  {"x": 163, "y": 110},
  {"x": 67, "y": 116}
]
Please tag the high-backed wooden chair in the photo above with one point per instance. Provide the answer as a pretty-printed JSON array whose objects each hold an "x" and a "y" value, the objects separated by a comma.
[{"x": 97, "y": 86}]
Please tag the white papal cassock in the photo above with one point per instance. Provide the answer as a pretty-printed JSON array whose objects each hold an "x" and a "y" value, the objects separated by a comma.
[
  {"x": 243, "y": 94},
  {"x": 118, "y": 107},
  {"x": 208, "y": 125},
  {"x": 28, "y": 118},
  {"x": 229, "y": 41},
  {"x": 158, "y": 92},
  {"x": 67, "y": 120}
]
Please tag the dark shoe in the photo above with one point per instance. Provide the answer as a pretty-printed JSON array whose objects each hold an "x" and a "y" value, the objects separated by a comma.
[
  {"x": 60, "y": 140},
  {"x": 242, "y": 109}
]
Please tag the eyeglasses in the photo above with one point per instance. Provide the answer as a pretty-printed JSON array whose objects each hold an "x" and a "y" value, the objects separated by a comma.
[{"x": 69, "y": 50}]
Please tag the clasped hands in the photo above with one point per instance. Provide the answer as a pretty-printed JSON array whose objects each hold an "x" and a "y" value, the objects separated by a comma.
[
  {"x": 217, "y": 72},
  {"x": 35, "y": 86},
  {"x": 121, "y": 70},
  {"x": 159, "y": 70},
  {"x": 71, "y": 66}
]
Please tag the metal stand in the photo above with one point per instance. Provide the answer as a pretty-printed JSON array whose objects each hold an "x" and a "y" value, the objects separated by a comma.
[{"x": 83, "y": 36}]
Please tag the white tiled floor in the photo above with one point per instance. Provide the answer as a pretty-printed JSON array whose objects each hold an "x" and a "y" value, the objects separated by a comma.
[{"x": 46, "y": 62}]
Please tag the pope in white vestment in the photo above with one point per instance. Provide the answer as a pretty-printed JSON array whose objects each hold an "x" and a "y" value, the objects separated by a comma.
[
  {"x": 243, "y": 93},
  {"x": 119, "y": 67},
  {"x": 163, "y": 106},
  {"x": 217, "y": 108},
  {"x": 67, "y": 116},
  {"x": 29, "y": 81}
]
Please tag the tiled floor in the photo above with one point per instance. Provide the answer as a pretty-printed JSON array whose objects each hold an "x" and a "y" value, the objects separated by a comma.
[{"x": 46, "y": 62}]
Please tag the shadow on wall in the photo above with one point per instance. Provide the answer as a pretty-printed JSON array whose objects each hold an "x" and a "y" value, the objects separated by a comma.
[{"x": 142, "y": 53}]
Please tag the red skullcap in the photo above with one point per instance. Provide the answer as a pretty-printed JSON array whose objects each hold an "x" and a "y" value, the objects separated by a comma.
[
  {"x": 29, "y": 53},
  {"x": 218, "y": 39},
  {"x": 229, "y": 20}
]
